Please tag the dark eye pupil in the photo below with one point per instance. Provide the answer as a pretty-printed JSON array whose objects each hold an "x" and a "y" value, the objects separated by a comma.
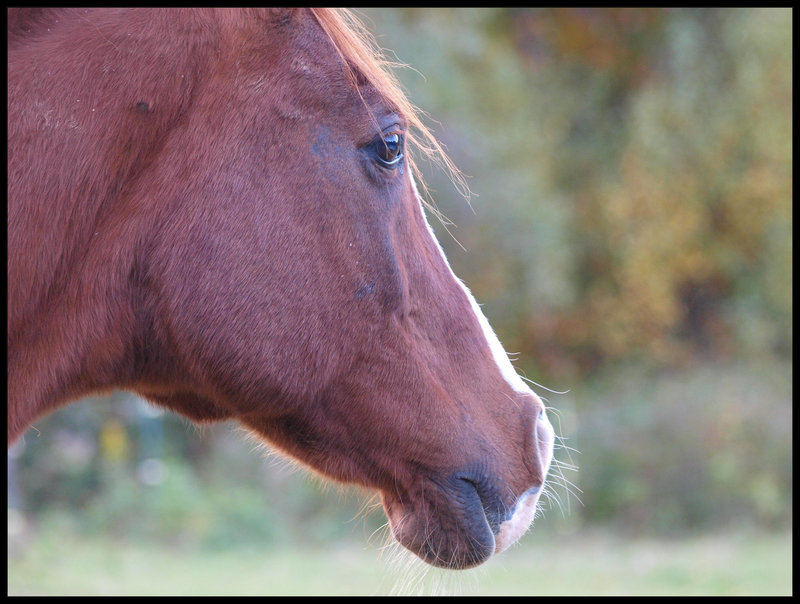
[
  {"x": 389, "y": 148},
  {"x": 392, "y": 142}
]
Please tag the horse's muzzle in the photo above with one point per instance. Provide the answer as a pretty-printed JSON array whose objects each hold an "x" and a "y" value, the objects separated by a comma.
[{"x": 461, "y": 520}]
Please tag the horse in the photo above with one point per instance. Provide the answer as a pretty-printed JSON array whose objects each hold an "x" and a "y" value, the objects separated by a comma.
[{"x": 217, "y": 210}]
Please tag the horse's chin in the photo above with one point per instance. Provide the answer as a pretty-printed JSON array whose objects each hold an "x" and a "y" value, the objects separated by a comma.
[
  {"x": 445, "y": 527},
  {"x": 456, "y": 527},
  {"x": 438, "y": 546}
]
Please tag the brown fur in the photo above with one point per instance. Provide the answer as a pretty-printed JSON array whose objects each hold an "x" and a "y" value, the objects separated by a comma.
[{"x": 192, "y": 217}]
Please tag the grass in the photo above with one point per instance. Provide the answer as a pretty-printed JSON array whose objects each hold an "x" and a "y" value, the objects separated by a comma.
[{"x": 61, "y": 562}]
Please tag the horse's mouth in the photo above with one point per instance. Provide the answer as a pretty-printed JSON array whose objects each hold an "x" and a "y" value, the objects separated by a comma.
[
  {"x": 454, "y": 525},
  {"x": 507, "y": 523}
]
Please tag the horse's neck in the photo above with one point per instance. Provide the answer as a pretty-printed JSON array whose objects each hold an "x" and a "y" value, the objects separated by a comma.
[{"x": 87, "y": 116}]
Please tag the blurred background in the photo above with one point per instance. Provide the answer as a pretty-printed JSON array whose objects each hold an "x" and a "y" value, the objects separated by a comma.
[{"x": 629, "y": 238}]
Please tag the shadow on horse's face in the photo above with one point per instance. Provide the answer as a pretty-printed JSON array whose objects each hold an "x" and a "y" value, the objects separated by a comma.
[{"x": 285, "y": 276}]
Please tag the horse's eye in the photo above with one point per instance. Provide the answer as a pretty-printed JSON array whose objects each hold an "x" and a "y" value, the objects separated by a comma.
[{"x": 389, "y": 150}]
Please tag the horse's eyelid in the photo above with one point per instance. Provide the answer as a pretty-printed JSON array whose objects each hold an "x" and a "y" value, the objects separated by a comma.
[{"x": 394, "y": 162}]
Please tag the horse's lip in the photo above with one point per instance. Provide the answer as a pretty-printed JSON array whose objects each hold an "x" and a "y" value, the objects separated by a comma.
[
  {"x": 494, "y": 510},
  {"x": 477, "y": 508},
  {"x": 506, "y": 523},
  {"x": 459, "y": 534}
]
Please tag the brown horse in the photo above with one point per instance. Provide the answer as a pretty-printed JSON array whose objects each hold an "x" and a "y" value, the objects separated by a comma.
[{"x": 215, "y": 209}]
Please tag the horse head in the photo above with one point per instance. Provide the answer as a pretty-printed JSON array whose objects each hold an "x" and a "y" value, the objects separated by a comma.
[{"x": 250, "y": 244}]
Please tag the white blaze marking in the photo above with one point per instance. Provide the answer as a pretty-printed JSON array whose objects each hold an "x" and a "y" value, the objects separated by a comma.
[
  {"x": 522, "y": 518},
  {"x": 498, "y": 352}
]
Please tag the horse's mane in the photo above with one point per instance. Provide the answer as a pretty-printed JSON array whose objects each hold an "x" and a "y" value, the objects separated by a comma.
[{"x": 363, "y": 56}]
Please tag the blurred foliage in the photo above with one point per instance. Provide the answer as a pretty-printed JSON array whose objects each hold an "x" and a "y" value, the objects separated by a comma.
[
  {"x": 669, "y": 453},
  {"x": 176, "y": 484},
  {"x": 629, "y": 237},
  {"x": 633, "y": 173}
]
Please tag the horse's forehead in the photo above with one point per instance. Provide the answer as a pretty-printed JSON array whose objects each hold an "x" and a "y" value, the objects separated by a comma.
[
  {"x": 297, "y": 65},
  {"x": 297, "y": 46}
]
